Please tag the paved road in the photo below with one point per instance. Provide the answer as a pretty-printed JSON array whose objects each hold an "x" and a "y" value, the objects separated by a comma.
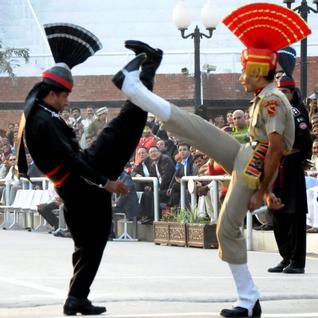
[{"x": 143, "y": 280}]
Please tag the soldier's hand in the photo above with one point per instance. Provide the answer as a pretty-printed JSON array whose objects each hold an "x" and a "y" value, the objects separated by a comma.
[
  {"x": 117, "y": 187},
  {"x": 273, "y": 202},
  {"x": 256, "y": 201}
]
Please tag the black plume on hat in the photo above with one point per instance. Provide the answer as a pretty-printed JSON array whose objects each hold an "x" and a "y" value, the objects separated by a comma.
[
  {"x": 287, "y": 60},
  {"x": 70, "y": 45}
]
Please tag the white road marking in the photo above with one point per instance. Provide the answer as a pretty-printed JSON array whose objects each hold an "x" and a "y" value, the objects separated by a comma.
[
  {"x": 51, "y": 290},
  {"x": 211, "y": 314},
  {"x": 276, "y": 277}
]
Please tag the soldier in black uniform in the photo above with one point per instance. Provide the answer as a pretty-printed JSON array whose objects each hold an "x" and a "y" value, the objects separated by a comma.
[
  {"x": 290, "y": 222},
  {"x": 83, "y": 179}
]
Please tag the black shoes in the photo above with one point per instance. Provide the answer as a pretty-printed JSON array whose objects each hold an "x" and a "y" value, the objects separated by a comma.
[
  {"x": 291, "y": 269},
  {"x": 287, "y": 269},
  {"x": 150, "y": 65},
  {"x": 278, "y": 268},
  {"x": 75, "y": 305},
  {"x": 133, "y": 65},
  {"x": 62, "y": 233},
  {"x": 242, "y": 312},
  {"x": 153, "y": 55}
]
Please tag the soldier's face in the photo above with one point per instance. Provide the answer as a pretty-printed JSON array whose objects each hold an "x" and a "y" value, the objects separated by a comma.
[
  {"x": 288, "y": 93},
  {"x": 61, "y": 100},
  {"x": 250, "y": 83}
]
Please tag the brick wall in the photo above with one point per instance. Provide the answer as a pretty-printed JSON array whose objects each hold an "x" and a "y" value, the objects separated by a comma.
[{"x": 99, "y": 90}]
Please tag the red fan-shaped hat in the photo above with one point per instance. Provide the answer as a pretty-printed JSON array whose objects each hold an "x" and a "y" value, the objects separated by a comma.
[{"x": 265, "y": 28}]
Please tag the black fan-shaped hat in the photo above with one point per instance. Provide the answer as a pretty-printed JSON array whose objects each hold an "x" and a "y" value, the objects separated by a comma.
[{"x": 70, "y": 45}]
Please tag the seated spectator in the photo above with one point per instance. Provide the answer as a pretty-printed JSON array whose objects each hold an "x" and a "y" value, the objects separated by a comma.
[
  {"x": 12, "y": 178},
  {"x": 128, "y": 204},
  {"x": 214, "y": 169},
  {"x": 314, "y": 156},
  {"x": 312, "y": 195},
  {"x": 143, "y": 168},
  {"x": 5, "y": 151},
  {"x": 147, "y": 141},
  {"x": 48, "y": 212},
  {"x": 34, "y": 172},
  {"x": 163, "y": 168}
]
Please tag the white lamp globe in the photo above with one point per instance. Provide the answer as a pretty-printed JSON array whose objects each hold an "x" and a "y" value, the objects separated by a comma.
[
  {"x": 209, "y": 15},
  {"x": 181, "y": 15}
]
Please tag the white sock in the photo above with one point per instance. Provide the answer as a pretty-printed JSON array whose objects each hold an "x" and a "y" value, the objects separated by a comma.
[
  {"x": 138, "y": 94},
  {"x": 246, "y": 289}
]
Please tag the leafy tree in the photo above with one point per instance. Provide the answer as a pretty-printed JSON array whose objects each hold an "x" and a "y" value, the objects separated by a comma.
[{"x": 9, "y": 58}]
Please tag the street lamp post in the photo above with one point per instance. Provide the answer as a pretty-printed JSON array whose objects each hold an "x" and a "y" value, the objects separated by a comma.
[
  {"x": 303, "y": 9},
  {"x": 182, "y": 19}
]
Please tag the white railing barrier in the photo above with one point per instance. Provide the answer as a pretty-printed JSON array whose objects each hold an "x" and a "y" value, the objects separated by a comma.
[
  {"x": 45, "y": 181},
  {"x": 155, "y": 183},
  {"x": 26, "y": 184},
  {"x": 214, "y": 190},
  {"x": 215, "y": 202}
]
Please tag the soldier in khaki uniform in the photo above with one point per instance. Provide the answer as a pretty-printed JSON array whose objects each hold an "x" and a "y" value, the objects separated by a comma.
[{"x": 253, "y": 166}]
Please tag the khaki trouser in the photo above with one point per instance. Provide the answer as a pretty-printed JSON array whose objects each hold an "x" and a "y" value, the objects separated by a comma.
[{"x": 233, "y": 156}]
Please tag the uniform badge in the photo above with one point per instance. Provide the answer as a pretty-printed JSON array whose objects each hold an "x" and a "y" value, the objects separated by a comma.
[
  {"x": 296, "y": 112},
  {"x": 270, "y": 104},
  {"x": 303, "y": 126}
]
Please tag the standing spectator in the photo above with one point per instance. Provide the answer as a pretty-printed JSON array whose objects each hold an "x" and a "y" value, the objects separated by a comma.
[
  {"x": 76, "y": 114},
  {"x": 99, "y": 123},
  {"x": 183, "y": 168},
  {"x": 229, "y": 119},
  {"x": 146, "y": 200},
  {"x": 219, "y": 121},
  {"x": 66, "y": 116},
  {"x": 163, "y": 168},
  {"x": 240, "y": 129},
  {"x": 9, "y": 133},
  {"x": 90, "y": 117}
]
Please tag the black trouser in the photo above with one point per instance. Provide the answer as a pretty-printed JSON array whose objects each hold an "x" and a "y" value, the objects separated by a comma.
[
  {"x": 88, "y": 215},
  {"x": 290, "y": 222},
  {"x": 290, "y": 235}
]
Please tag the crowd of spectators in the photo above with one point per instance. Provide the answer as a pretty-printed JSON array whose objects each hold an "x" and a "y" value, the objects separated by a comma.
[{"x": 158, "y": 154}]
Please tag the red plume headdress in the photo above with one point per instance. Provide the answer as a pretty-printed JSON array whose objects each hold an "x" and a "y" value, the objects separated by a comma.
[{"x": 265, "y": 28}]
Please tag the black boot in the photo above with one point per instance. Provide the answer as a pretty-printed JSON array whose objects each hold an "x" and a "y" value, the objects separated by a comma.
[
  {"x": 242, "y": 312},
  {"x": 74, "y": 305},
  {"x": 279, "y": 267},
  {"x": 292, "y": 269},
  {"x": 133, "y": 65},
  {"x": 151, "y": 64}
]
